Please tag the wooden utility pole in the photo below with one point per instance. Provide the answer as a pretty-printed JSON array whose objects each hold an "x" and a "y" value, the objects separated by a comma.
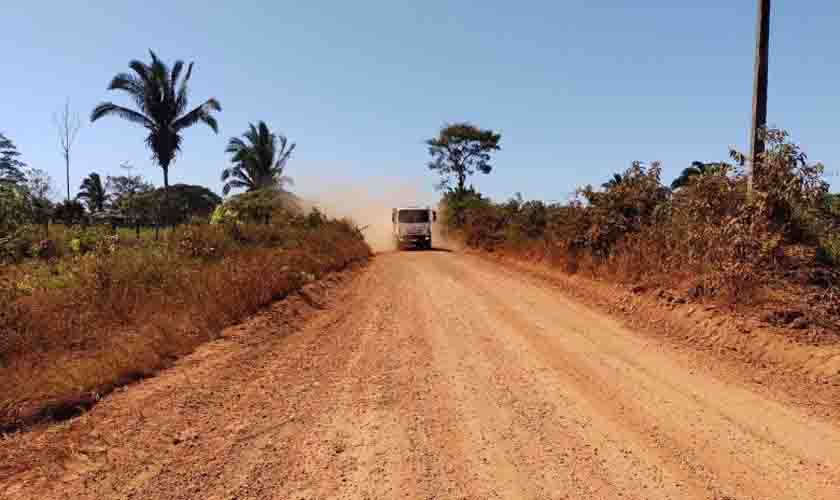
[{"x": 759, "y": 111}]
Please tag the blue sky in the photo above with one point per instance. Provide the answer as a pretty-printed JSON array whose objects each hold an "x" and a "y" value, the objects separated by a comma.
[{"x": 577, "y": 88}]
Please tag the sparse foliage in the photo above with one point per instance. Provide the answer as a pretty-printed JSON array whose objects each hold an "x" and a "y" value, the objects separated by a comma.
[
  {"x": 67, "y": 125},
  {"x": 788, "y": 190},
  {"x": 39, "y": 185},
  {"x": 459, "y": 151}
]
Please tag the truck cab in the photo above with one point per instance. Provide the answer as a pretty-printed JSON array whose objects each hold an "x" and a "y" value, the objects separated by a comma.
[{"x": 413, "y": 226}]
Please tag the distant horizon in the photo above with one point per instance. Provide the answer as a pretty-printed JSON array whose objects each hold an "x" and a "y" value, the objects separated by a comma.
[{"x": 578, "y": 92}]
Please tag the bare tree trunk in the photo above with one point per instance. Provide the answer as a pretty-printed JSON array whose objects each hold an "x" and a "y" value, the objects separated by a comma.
[
  {"x": 67, "y": 124},
  {"x": 67, "y": 164}
]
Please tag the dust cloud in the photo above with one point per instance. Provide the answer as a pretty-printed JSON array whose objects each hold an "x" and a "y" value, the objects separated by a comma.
[{"x": 369, "y": 207}]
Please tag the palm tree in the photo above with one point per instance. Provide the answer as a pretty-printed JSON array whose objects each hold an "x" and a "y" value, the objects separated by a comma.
[
  {"x": 615, "y": 181},
  {"x": 697, "y": 169},
  {"x": 258, "y": 161},
  {"x": 92, "y": 191},
  {"x": 161, "y": 102}
]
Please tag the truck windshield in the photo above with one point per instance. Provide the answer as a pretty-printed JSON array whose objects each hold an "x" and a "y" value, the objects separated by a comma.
[{"x": 414, "y": 216}]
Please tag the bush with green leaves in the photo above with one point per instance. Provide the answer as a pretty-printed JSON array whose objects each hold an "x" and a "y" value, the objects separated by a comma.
[
  {"x": 621, "y": 207},
  {"x": 259, "y": 206},
  {"x": 15, "y": 214},
  {"x": 14, "y": 208},
  {"x": 828, "y": 251},
  {"x": 457, "y": 203},
  {"x": 787, "y": 189},
  {"x": 85, "y": 239},
  {"x": 70, "y": 212}
]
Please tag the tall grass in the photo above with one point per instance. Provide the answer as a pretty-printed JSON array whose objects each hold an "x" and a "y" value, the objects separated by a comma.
[{"x": 76, "y": 325}]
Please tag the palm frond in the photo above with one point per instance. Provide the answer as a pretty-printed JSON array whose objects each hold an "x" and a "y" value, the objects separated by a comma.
[
  {"x": 200, "y": 114},
  {"x": 235, "y": 145},
  {"x": 285, "y": 154},
  {"x": 141, "y": 69},
  {"x": 235, "y": 184},
  {"x": 133, "y": 86},
  {"x": 176, "y": 73},
  {"x": 182, "y": 99},
  {"x": 128, "y": 83},
  {"x": 107, "y": 108}
]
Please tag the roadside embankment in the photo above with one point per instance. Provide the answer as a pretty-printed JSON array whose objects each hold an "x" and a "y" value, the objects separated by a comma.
[{"x": 75, "y": 329}]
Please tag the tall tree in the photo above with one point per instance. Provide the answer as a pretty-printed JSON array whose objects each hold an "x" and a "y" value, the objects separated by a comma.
[
  {"x": 258, "y": 161},
  {"x": 161, "y": 98},
  {"x": 459, "y": 151},
  {"x": 92, "y": 191},
  {"x": 67, "y": 124},
  {"x": 697, "y": 169},
  {"x": 10, "y": 163}
]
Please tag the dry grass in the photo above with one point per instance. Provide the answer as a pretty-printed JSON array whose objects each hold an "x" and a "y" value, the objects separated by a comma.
[
  {"x": 71, "y": 329},
  {"x": 773, "y": 254}
]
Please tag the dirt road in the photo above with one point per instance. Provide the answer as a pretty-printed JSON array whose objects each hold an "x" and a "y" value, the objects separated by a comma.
[{"x": 434, "y": 375}]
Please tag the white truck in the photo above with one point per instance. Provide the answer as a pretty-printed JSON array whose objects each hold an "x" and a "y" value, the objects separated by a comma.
[{"x": 413, "y": 226}]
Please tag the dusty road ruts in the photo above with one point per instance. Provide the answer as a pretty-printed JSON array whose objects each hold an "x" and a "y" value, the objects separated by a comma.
[{"x": 434, "y": 375}]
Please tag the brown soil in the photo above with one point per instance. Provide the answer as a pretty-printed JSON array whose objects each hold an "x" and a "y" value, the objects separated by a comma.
[{"x": 435, "y": 375}]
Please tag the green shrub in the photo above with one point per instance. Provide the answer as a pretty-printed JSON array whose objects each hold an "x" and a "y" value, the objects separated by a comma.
[
  {"x": 84, "y": 239},
  {"x": 828, "y": 251}
]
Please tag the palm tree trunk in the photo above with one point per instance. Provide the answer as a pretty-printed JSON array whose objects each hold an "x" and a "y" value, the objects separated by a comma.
[{"x": 165, "y": 210}]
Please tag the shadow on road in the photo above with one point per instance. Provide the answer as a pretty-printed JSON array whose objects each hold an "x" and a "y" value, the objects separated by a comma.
[{"x": 422, "y": 250}]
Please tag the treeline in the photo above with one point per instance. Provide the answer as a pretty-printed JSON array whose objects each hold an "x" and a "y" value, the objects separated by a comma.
[
  {"x": 160, "y": 97},
  {"x": 708, "y": 227}
]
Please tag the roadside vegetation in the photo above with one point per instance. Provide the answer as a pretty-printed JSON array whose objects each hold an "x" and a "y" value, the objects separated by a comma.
[
  {"x": 116, "y": 283},
  {"x": 704, "y": 237}
]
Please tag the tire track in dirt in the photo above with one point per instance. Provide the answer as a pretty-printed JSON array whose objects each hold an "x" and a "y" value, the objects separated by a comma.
[
  {"x": 433, "y": 375},
  {"x": 735, "y": 440}
]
